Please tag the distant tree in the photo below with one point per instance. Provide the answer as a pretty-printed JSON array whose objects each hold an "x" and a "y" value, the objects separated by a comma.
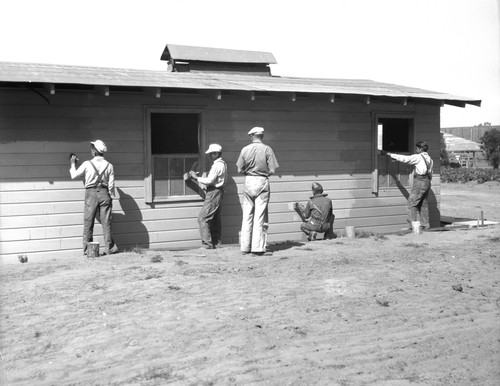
[
  {"x": 443, "y": 154},
  {"x": 490, "y": 143}
]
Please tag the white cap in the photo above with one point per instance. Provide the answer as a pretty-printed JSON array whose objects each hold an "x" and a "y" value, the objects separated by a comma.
[
  {"x": 256, "y": 130},
  {"x": 100, "y": 146},
  {"x": 214, "y": 148}
]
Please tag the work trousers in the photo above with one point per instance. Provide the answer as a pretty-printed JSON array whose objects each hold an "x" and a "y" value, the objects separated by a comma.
[
  {"x": 209, "y": 219},
  {"x": 254, "y": 205},
  {"x": 417, "y": 202},
  {"x": 311, "y": 226},
  {"x": 98, "y": 203}
]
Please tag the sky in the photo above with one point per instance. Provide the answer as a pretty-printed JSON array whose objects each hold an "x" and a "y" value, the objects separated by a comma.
[{"x": 449, "y": 46}]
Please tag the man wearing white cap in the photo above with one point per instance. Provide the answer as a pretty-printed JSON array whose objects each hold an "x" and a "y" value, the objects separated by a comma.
[
  {"x": 257, "y": 162},
  {"x": 99, "y": 182},
  {"x": 209, "y": 219}
]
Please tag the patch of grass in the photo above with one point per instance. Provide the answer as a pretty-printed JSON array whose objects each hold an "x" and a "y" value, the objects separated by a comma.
[
  {"x": 363, "y": 234},
  {"x": 153, "y": 275},
  {"x": 174, "y": 288},
  {"x": 137, "y": 250},
  {"x": 495, "y": 239},
  {"x": 382, "y": 302},
  {"x": 413, "y": 245},
  {"x": 157, "y": 259}
]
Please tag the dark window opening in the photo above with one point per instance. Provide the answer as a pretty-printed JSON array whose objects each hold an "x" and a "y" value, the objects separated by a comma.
[
  {"x": 175, "y": 148},
  {"x": 394, "y": 135}
]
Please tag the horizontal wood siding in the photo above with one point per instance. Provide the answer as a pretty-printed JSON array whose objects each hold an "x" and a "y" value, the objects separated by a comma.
[{"x": 41, "y": 208}]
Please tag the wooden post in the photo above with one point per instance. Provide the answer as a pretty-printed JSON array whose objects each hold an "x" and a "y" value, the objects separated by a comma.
[{"x": 93, "y": 249}]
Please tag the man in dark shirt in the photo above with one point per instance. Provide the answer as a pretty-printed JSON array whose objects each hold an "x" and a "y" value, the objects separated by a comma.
[{"x": 318, "y": 213}]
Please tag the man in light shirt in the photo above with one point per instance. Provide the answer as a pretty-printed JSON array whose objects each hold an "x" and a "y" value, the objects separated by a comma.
[
  {"x": 417, "y": 201},
  {"x": 209, "y": 219},
  {"x": 99, "y": 182},
  {"x": 257, "y": 162}
]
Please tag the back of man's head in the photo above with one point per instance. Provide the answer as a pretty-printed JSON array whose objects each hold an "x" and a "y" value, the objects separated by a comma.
[{"x": 317, "y": 188}]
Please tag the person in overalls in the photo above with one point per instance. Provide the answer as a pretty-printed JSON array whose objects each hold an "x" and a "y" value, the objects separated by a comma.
[
  {"x": 99, "y": 182},
  {"x": 209, "y": 219},
  {"x": 417, "y": 201}
]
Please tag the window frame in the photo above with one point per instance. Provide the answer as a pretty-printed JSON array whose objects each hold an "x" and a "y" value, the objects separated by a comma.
[
  {"x": 148, "y": 156},
  {"x": 376, "y": 115}
]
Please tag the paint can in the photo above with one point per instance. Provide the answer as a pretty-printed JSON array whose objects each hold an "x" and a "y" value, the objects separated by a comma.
[
  {"x": 415, "y": 226},
  {"x": 93, "y": 249},
  {"x": 350, "y": 232}
]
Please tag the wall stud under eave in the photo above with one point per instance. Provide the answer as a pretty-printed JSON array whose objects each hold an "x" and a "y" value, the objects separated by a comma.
[
  {"x": 155, "y": 91},
  {"x": 103, "y": 90},
  {"x": 51, "y": 89}
]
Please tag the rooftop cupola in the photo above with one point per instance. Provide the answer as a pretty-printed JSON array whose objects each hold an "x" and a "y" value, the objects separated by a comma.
[{"x": 204, "y": 59}]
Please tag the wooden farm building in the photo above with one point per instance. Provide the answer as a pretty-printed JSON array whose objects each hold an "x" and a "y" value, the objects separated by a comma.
[
  {"x": 158, "y": 124},
  {"x": 466, "y": 153}
]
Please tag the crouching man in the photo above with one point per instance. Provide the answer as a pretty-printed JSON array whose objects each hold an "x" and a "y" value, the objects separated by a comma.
[{"x": 317, "y": 215}]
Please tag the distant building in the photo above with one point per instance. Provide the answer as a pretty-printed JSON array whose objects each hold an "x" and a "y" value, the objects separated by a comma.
[
  {"x": 464, "y": 152},
  {"x": 472, "y": 133}
]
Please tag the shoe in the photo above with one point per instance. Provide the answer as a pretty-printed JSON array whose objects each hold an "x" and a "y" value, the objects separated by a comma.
[
  {"x": 112, "y": 251},
  {"x": 262, "y": 253},
  {"x": 245, "y": 252},
  {"x": 208, "y": 246},
  {"x": 312, "y": 236}
]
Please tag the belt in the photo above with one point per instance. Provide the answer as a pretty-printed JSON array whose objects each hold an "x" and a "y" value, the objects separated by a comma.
[
  {"x": 420, "y": 176},
  {"x": 211, "y": 187}
]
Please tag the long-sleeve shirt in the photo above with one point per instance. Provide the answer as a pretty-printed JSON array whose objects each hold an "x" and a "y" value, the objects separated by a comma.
[
  {"x": 257, "y": 159},
  {"x": 417, "y": 160},
  {"x": 90, "y": 175},
  {"x": 318, "y": 208},
  {"x": 217, "y": 175}
]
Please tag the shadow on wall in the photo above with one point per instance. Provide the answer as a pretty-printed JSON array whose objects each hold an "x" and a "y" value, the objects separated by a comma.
[
  {"x": 128, "y": 229},
  {"x": 434, "y": 212},
  {"x": 231, "y": 213}
]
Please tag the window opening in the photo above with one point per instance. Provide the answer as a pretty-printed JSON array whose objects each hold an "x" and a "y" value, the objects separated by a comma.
[
  {"x": 175, "y": 144},
  {"x": 393, "y": 135}
]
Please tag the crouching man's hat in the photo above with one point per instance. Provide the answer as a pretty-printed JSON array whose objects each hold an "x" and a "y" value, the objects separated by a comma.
[
  {"x": 316, "y": 187},
  {"x": 256, "y": 130},
  {"x": 214, "y": 148}
]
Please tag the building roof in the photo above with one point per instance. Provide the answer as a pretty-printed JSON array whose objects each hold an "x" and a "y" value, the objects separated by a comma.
[
  {"x": 119, "y": 77},
  {"x": 454, "y": 143},
  {"x": 207, "y": 54}
]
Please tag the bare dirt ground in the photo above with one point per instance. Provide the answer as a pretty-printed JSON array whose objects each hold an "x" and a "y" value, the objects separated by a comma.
[{"x": 379, "y": 310}]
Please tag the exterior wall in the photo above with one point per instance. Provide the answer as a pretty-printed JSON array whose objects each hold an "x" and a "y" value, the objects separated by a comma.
[{"x": 314, "y": 140}]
